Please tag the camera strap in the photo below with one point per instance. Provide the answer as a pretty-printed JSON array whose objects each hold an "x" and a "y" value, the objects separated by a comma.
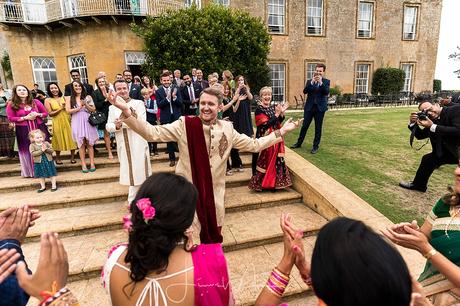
[{"x": 412, "y": 136}]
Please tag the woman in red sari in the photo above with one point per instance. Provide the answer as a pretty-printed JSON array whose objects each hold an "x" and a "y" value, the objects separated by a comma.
[{"x": 269, "y": 170}]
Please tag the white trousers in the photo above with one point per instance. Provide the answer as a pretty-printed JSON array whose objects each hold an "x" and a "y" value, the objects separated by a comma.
[{"x": 132, "y": 193}]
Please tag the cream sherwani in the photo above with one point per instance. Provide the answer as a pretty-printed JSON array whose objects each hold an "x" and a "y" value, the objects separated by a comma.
[
  {"x": 220, "y": 138},
  {"x": 132, "y": 150}
]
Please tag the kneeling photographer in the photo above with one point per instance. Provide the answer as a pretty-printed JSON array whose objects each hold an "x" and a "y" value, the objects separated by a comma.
[{"x": 442, "y": 126}]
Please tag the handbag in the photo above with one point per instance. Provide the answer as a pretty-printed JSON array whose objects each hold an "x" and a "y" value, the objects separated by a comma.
[{"x": 96, "y": 118}]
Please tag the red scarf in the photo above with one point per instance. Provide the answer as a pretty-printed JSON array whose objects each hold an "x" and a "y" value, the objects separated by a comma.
[{"x": 202, "y": 179}]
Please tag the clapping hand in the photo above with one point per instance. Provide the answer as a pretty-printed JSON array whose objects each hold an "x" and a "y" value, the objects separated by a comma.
[
  {"x": 8, "y": 260},
  {"x": 43, "y": 147},
  {"x": 242, "y": 97},
  {"x": 408, "y": 237},
  {"x": 52, "y": 270},
  {"x": 15, "y": 222},
  {"x": 174, "y": 93}
]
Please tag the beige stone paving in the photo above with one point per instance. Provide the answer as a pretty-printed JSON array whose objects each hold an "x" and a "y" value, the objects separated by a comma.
[
  {"x": 251, "y": 225},
  {"x": 236, "y": 196},
  {"x": 65, "y": 195}
]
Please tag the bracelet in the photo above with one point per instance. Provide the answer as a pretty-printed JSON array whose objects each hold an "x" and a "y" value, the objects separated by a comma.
[
  {"x": 430, "y": 254},
  {"x": 277, "y": 282}
]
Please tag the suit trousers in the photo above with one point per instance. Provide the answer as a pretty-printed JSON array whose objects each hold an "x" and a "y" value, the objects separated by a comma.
[
  {"x": 236, "y": 160},
  {"x": 308, "y": 116},
  {"x": 428, "y": 164},
  {"x": 171, "y": 146}
]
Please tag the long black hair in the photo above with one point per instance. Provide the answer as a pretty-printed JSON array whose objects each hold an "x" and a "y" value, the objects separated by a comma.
[
  {"x": 353, "y": 266},
  {"x": 73, "y": 94},
  {"x": 150, "y": 244},
  {"x": 48, "y": 91}
]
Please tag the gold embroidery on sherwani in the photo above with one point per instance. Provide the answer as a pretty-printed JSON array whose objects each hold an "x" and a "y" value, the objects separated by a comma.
[
  {"x": 128, "y": 153},
  {"x": 223, "y": 145}
]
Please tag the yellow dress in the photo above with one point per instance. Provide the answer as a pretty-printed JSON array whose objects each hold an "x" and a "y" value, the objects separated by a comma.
[{"x": 62, "y": 133}]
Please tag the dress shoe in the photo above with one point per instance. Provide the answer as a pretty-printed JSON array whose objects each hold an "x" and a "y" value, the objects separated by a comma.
[
  {"x": 172, "y": 163},
  {"x": 314, "y": 150},
  {"x": 296, "y": 146},
  {"x": 411, "y": 186}
]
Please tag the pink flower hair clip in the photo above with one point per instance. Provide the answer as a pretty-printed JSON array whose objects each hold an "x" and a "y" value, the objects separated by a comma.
[
  {"x": 127, "y": 223},
  {"x": 148, "y": 211}
]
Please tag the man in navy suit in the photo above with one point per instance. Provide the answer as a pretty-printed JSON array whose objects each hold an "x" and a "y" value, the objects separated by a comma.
[
  {"x": 169, "y": 102},
  {"x": 134, "y": 90},
  {"x": 190, "y": 96},
  {"x": 317, "y": 90}
]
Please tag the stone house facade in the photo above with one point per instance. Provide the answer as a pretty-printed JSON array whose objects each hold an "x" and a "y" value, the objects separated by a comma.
[{"x": 352, "y": 37}]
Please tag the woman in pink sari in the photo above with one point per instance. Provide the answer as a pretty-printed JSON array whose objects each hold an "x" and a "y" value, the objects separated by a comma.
[
  {"x": 27, "y": 114},
  {"x": 160, "y": 265}
]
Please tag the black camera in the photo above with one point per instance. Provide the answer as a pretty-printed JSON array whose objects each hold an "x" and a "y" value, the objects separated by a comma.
[{"x": 422, "y": 115}]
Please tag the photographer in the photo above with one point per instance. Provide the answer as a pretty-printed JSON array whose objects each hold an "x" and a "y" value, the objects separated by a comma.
[{"x": 442, "y": 126}]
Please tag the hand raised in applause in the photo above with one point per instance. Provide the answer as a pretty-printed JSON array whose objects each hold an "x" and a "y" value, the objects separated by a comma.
[
  {"x": 52, "y": 270},
  {"x": 8, "y": 260},
  {"x": 119, "y": 103},
  {"x": 15, "y": 222}
]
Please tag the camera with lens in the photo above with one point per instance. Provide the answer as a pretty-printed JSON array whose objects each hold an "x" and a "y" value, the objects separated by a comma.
[{"x": 422, "y": 115}]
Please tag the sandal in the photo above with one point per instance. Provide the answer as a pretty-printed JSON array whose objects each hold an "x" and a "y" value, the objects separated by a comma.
[
  {"x": 59, "y": 163},
  {"x": 73, "y": 161},
  {"x": 84, "y": 170}
]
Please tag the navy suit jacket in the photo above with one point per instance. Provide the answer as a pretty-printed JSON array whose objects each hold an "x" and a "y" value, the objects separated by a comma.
[
  {"x": 135, "y": 92},
  {"x": 186, "y": 100},
  {"x": 164, "y": 105},
  {"x": 317, "y": 95}
]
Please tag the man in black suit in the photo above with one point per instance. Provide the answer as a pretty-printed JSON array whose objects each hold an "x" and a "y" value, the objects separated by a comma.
[
  {"x": 190, "y": 96},
  {"x": 442, "y": 126},
  {"x": 75, "y": 75},
  {"x": 200, "y": 82},
  {"x": 169, "y": 102},
  {"x": 134, "y": 90},
  {"x": 315, "y": 108}
]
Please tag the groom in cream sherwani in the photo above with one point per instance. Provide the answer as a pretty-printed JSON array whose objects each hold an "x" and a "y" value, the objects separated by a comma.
[{"x": 132, "y": 149}]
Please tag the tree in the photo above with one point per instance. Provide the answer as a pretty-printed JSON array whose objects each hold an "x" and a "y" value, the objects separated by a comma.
[
  {"x": 214, "y": 38},
  {"x": 437, "y": 85},
  {"x": 387, "y": 81},
  {"x": 456, "y": 57}
]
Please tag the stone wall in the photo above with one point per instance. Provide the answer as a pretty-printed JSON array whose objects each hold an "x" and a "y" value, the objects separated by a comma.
[{"x": 104, "y": 44}]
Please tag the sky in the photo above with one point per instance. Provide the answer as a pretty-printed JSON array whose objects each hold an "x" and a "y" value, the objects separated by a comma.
[{"x": 449, "y": 39}]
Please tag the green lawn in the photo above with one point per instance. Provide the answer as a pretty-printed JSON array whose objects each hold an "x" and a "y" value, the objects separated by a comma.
[{"x": 368, "y": 151}]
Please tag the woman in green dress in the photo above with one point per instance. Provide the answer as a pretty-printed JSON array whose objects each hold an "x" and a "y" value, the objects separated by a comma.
[
  {"x": 62, "y": 133},
  {"x": 438, "y": 240}
]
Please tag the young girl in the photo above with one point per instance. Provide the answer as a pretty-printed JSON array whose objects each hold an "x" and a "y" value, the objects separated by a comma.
[{"x": 41, "y": 152}]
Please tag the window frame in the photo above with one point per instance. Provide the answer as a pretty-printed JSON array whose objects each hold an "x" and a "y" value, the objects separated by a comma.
[
  {"x": 285, "y": 23},
  {"x": 42, "y": 82},
  {"x": 284, "y": 88},
  {"x": 369, "y": 77},
  {"x": 372, "y": 21},
  {"x": 417, "y": 6},
  {"x": 140, "y": 55},
  {"x": 83, "y": 69},
  {"x": 197, "y": 2},
  {"x": 323, "y": 19},
  {"x": 412, "y": 78},
  {"x": 227, "y": 4}
]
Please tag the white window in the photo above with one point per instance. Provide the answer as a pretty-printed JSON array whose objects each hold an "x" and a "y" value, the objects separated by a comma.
[
  {"x": 34, "y": 11},
  {"x": 365, "y": 19},
  {"x": 134, "y": 58},
  {"x": 276, "y": 14},
  {"x": 315, "y": 17},
  {"x": 188, "y": 3},
  {"x": 410, "y": 22},
  {"x": 409, "y": 72},
  {"x": 277, "y": 75},
  {"x": 311, "y": 68},
  {"x": 79, "y": 62},
  {"x": 44, "y": 70},
  {"x": 223, "y": 2},
  {"x": 362, "y": 78}
]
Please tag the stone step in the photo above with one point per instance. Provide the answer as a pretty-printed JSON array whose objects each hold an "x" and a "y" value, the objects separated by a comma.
[
  {"x": 247, "y": 278},
  {"x": 87, "y": 252},
  {"x": 72, "y": 221},
  {"x": 75, "y": 177},
  {"x": 14, "y": 169}
]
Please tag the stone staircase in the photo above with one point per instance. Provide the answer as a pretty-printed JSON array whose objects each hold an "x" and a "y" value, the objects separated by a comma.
[{"x": 87, "y": 209}]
